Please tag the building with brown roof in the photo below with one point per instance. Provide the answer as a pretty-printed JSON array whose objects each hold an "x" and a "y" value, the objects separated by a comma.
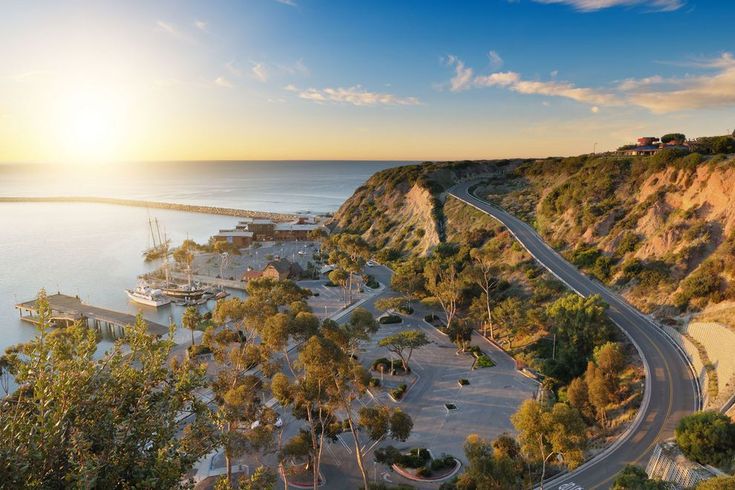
[{"x": 280, "y": 269}]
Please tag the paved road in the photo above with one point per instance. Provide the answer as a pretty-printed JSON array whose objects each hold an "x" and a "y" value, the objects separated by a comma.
[{"x": 671, "y": 389}]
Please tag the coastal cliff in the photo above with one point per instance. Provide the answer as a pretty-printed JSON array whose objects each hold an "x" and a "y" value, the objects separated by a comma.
[{"x": 402, "y": 208}]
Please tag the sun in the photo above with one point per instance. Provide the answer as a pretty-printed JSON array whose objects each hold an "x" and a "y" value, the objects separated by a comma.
[{"x": 92, "y": 125}]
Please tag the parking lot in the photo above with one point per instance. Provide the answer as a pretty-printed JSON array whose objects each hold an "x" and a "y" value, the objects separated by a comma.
[{"x": 483, "y": 407}]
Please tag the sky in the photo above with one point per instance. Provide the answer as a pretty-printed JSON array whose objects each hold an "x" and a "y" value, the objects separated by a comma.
[{"x": 144, "y": 80}]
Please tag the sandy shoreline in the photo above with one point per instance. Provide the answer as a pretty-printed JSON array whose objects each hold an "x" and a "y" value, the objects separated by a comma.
[{"x": 193, "y": 208}]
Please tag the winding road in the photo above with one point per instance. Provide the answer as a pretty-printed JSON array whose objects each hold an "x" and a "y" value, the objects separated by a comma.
[{"x": 671, "y": 389}]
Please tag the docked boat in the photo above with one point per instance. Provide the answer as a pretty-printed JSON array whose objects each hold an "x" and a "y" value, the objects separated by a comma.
[
  {"x": 184, "y": 291},
  {"x": 147, "y": 296}
]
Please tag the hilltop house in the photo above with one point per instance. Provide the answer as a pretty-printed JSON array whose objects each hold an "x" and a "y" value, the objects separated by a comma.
[{"x": 650, "y": 145}]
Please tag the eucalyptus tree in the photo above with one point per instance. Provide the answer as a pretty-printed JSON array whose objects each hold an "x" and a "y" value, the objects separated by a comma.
[
  {"x": 308, "y": 395},
  {"x": 484, "y": 273},
  {"x": 444, "y": 284},
  {"x": 80, "y": 419},
  {"x": 403, "y": 344},
  {"x": 547, "y": 432}
]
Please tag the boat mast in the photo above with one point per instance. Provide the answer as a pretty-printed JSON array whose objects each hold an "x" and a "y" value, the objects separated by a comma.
[
  {"x": 165, "y": 257},
  {"x": 158, "y": 230},
  {"x": 153, "y": 236}
]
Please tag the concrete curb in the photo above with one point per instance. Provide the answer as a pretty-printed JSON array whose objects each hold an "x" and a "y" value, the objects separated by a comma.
[{"x": 642, "y": 410}]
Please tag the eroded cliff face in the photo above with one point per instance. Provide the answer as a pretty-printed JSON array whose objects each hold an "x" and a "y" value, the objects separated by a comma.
[
  {"x": 664, "y": 235},
  {"x": 403, "y": 208}
]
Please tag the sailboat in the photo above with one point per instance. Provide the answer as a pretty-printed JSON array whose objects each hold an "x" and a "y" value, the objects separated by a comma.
[
  {"x": 189, "y": 292},
  {"x": 160, "y": 244}
]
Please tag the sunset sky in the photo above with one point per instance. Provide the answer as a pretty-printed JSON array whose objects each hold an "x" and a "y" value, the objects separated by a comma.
[{"x": 98, "y": 81}]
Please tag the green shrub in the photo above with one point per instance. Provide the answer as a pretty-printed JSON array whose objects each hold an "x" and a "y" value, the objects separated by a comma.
[
  {"x": 628, "y": 243},
  {"x": 445, "y": 462},
  {"x": 389, "y": 319},
  {"x": 705, "y": 283},
  {"x": 398, "y": 392},
  {"x": 707, "y": 438},
  {"x": 374, "y": 383},
  {"x": 484, "y": 361},
  {"x": 198, "y": 350}
]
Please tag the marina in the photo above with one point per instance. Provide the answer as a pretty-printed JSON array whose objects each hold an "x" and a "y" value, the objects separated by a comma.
[{"x": 67, "y": 309}]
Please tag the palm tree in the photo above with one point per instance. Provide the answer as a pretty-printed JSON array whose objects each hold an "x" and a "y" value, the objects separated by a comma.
[{"x": 191, "y": 320}]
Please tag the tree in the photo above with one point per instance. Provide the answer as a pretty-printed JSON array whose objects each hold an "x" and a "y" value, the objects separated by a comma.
[
  {"x": 483, "y": 274},
  {"x": 580, "y": 324},
  {"x": 238, "y": 396},
  {"x": 610, "y": 358},
  {"x": 598, "y": 391},
  {"x": 79, "y": 419},
  {"x": 707, "y": 438},
  {"x": 460, "y": 333},
  {"x": 546, "y": 432},
  {"x": 635, "y": 478},
  {"x": 677, "y": 137},
  {"x": 403, "y": 344},
  {"x": 359, "y": 329},
  {"x": 382, "y": 421},
  {"x": 491, "y": 466},
  {"x": 409, "y": 280},
  {"x": 339, "y": 276},
  {"x": 310, "y": 399},
  {"x": 510, "y": 313},
  {"x": 190, "y": 320},
  {"x": 578, "y": 396},
  {"x": 443, "y": 283},
  {"x": 719, "y": 483}
]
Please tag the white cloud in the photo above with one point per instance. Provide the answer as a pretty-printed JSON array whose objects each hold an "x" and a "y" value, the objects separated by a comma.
[
  {"x": 499, "y": 79},
  {"x": 232, "y": 67},
  {"x": 495, "y": 60},
  {"x": 290, "y": 3},
  {"x": 173, "y": 31},
  {"x": 593, "y": 5},
  {"x": 355, "y": 95},
  {"x": 201, "y": 25},
  {"x": 566, "y": 90},
  {"x": 465, "y": 79},
  {"x": 712, "y": 89},
  {"x": 462, "y": 78},
  {"x": 594, "y": 109},
  {"x": 260, "y": 72},
  {"x": 223, "y": 82}
]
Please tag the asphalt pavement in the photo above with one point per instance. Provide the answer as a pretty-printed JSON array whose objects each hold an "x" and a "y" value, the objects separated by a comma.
[{"x": 671, "y": 390}]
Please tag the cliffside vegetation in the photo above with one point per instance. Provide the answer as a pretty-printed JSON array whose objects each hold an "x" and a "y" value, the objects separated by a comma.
[{"x": 476, "y": 276}]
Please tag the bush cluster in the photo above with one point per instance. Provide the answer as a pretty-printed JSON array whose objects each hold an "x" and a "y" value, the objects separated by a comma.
[{"x": 399, "y": 391}]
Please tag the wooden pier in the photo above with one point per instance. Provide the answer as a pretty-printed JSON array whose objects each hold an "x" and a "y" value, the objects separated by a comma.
[{"x": 69, "y": 309}]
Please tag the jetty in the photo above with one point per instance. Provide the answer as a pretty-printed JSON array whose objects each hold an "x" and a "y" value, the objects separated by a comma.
[
  {"x": 66, "y": 310},
  {"x": 191, "y": 208}
]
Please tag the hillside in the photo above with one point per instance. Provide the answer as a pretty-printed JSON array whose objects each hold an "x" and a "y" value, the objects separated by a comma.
[
  {"x": 660, "y": 230},
  {"x": 402, "y": 208}
]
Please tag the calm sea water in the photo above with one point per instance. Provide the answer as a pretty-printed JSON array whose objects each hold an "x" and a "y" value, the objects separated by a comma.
[
  {"x": 261, "y": 186},
  {"x": 94, "y": 250}
]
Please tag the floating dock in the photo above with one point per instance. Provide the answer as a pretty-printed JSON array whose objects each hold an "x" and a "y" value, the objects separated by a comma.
[{"x": 69, "y": 309}]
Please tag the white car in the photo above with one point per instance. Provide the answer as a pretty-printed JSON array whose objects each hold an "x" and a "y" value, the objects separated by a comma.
[
  {"x": 278, "y": 424},
  {"x": 370, "y": 263}
]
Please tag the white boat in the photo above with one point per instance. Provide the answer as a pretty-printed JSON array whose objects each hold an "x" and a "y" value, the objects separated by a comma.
[{"x": 147, "y": 296}]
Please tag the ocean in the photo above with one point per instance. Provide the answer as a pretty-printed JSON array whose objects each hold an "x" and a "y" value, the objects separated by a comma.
[{"x": 94, "y": 250}]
